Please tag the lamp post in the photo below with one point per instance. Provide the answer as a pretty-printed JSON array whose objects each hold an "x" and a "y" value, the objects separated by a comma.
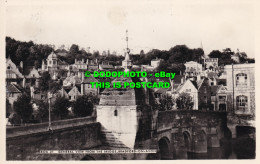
[{"x": 49, "y": 97}]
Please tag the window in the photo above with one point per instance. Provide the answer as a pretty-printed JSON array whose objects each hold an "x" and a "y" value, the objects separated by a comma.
[
  {"x": 205, "y": 89},
  {"x": 70, "y": 97},
  {"x": 49, "y": 62},
  {"x": 241, "y": 103},
  {"x": 222, "y": 98},
  {"x": 8, "y": 67},
  {"x": 54, "y": 62},
  {"x": 205, "y": 99},
  {"x": 241, "y": 79},
  {"x": 188, "y": 90},
  {"x": 115, "y": 112}
]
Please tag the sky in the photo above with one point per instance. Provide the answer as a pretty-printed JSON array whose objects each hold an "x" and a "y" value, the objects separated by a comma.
[{"x": 150, "y": 24}]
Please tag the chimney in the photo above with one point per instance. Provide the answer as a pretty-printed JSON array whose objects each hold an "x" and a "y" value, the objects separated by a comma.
[
  {"x": 74, "y": 80},
  {"x": 198, "y": 77},
  {"x": 182, "y": 80},
  {"x": 171, "y": 84},
  {"x": 96, "y": 60},
  {"x": 75, "y": 61},
  {"x": 21, "y": 64},
  {"x": 82, "y": 76},
  {"x": 42, "y": 64},
  {"x": 215, "y": 81},
  {"x": 24, "y": 82},
  {"x": 87, "y": 61},
  {"x": 82, "y": 60},
  {"x": 82, "y": 89}
]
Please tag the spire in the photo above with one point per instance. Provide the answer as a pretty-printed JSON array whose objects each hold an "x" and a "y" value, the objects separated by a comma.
[{"x": 127, "y": 63}]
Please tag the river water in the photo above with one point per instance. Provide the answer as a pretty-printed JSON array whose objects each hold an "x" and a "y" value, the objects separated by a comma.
[{"x": 241, "y": 148}]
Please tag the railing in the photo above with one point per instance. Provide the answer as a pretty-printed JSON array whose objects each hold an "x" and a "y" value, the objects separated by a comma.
[{"x": 41, "y": 127}]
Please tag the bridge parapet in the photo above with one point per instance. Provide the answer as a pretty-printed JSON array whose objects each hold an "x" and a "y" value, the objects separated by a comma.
[
  {"x": 42, "y": 127},
  {"x": 73, "y": 134},
  {"x": 170, "y": 119}
]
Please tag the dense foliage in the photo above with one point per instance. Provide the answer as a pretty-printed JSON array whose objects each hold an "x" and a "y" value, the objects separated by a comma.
[
  {"x": 23, "y": 107},
  {"x": 60, "y": 107},
  {"x": 84, "y": 105},
  {"x": 184, "y": 101}
]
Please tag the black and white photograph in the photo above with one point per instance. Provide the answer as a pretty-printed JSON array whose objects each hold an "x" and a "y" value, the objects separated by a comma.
[{"x": 128, "y": 80}]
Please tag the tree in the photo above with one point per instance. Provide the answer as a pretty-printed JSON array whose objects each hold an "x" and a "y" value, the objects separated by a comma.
[
  {"x": 74, "y": 49},
  {"x": 142, "y": 52},
  {"x": 215, "y": 54},
  {"x": 165, "y": 102},
  {"x": 44, "y": 81},
  {"x": 54, "y": 87},
  {"x": 184, "y": 101},
  {"x": 43, "y": 111},
  {"x": 23, "y": 107},
  {"x": 7, "y": 108},
  {"x": 60, "y": 107},
  {"x": 83, "y": 106}
]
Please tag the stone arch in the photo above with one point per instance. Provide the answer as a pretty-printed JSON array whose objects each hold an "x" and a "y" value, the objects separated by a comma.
[
  {"x": 245, "y": 131},
  {"x": 245, "y": 145},
  {"x": 199, "y": 141},
  {"x": 187, "y": 140},
  {"x": 164, "y": 148},
  {"x": 87, "y": 158}
]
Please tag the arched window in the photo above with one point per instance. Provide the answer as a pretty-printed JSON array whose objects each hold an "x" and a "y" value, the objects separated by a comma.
[
  {"x": 241, "y": 79},
  {"x": 115, "y": 112},
  {"x": 242, "y": 103}
]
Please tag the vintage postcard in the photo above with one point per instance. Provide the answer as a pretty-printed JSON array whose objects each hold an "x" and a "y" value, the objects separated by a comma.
[{"x": 128, "y": 80}]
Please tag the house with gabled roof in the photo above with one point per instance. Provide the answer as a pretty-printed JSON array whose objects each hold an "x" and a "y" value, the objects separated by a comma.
[
  {"x": 86, "y": 87},
  {"x": 198, "y": 90},
  {"x": 13, "y": 73},
  {"x": 74, "y": 93},
  {"x": 71, "y": 81},
  {"x": 13, "y": 91},
  {"x": 219, "y": 97},
  {"x": 189, "y": 87},
  {"x": 105, "y": 67}
]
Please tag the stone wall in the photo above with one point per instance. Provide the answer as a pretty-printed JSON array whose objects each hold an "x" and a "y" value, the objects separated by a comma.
[{"x": 26, "y": 146}]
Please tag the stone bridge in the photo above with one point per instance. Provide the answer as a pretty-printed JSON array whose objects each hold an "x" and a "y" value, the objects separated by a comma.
[
  {"x": 171, "y": 133},
  {"x": 179, "y": 132},
  {"x": 25, "y": 142}
]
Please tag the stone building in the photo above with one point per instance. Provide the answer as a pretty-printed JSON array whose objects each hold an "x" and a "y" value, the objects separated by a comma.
[
  {"x": 240, "y": 98},
  {"x": 192, "y": 70},
  {"x": 155, "y": 62},
  {"x": 13, "y": 73},
  {"x": 211, "y": 63},
  {"x": 121, "y": 112},
  {"x": 241, "y": 87},
  {"x": 219, "y": 97}
]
